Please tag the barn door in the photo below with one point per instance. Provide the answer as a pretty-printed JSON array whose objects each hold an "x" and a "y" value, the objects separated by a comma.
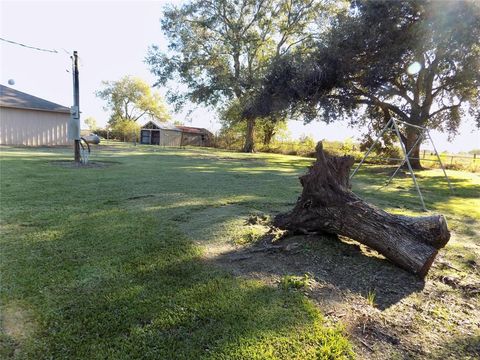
[
  {"x": 155, "y": 137},
  {"x": 145, "y": 137}
]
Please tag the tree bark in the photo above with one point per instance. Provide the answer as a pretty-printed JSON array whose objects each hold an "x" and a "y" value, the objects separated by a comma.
[
  {"x": 249, "y": 145},
  {"x": 410, "y": 140},
  {"x": 327, "y": 205},
  {"x": 269, "y": 132}
]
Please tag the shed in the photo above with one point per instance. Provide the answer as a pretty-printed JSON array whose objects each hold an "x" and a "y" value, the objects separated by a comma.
[
  {"x": 165, "y": 134},
  {"x": 194, "y": 136},
  {"x": 157, "y": 133},
  {"x": 31, "y": 121}
]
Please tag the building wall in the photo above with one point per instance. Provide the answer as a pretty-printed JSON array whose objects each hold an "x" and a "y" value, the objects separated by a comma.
[
  {"x": 166, "y": 137},
  {"x": 192, "y": 139},
  {"x": 170, "y": 138},
  {"x": 33, "y": 128}
]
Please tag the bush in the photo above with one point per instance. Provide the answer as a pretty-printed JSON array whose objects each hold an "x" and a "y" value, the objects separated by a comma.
[
  {"x": 102, "y": 133},
  {"x": 122, "y": 130}
]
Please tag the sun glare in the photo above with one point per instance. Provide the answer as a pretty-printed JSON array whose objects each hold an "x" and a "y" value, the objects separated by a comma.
[{"x": 414, "y": 68}]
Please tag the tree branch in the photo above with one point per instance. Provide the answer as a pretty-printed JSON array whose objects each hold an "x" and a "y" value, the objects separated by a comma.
[
  {"x": 377, "y": 102},
  {"x": 446, "y": 108},
  {"x": 402, "y": 91},
  {"x": 139, "y": 116}
]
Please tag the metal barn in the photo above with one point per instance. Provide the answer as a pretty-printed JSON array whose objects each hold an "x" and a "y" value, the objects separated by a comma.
[{"x": 28, "y": 120}]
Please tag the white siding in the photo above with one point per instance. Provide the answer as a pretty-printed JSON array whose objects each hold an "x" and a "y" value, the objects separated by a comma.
[{"x": 32, "y": 128}]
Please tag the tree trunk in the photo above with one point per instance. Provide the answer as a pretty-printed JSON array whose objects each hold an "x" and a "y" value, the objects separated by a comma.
[
  {"x": 327, "y": 205},
  {"x": 410, "y": 140},
  {"x": 267, "y": 138},
  {"x": 268, "y": 134},
  {"x": 249, "y": 145}
]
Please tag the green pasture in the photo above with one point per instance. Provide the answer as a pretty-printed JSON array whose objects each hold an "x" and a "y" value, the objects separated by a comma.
[{"x": 108, "y": 261}]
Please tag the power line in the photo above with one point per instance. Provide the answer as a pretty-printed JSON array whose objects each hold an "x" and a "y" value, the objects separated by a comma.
[{"x": 29, "y": 47}]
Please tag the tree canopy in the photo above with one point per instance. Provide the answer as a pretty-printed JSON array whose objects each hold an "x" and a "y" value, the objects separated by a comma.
[
  {"x": 91, "y": 122},
  {"x": 130, "y": 98},
  {"x": 220, "y": 50},
  {"x": 415, "y": 60}
]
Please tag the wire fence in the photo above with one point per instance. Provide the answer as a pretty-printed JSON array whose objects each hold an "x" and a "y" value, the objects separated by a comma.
[
  {"x": 430, "y": 156},
  {"x": 452, "y": 161},
  {"x": 452, "y": 158}
]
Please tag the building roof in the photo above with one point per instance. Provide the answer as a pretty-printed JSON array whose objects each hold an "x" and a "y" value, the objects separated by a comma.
[
  {"x": 12, "y": 98},
  {"x": 161, "y": 125},
  {"x": 193, "y": 130},
  {"x": 170, "y": 126}
]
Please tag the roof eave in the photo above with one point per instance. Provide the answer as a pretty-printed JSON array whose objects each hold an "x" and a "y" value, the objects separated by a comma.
[{"x": 67, "y": 111}]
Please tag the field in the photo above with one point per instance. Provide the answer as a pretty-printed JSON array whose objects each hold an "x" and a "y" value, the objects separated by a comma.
[{"x": 142, "y": 255}]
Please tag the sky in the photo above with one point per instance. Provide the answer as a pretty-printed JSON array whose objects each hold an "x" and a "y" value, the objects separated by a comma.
[{"x": 112, "y": 39}]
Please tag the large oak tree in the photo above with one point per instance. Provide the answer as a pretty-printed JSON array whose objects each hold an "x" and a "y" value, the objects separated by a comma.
[
  {"x": 415, "y": 60},
  {"x": 219, "y": 50}
]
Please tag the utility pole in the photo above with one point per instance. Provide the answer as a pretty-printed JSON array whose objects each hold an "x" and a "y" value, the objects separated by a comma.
[{"x": 76, "y": 106}]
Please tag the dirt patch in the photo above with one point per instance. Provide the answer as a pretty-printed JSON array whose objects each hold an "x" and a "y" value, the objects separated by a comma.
[
  {"x": 16, "y": 326},
  {"x": 89, "y": 165},
  {"x": 387, "y": 312}
]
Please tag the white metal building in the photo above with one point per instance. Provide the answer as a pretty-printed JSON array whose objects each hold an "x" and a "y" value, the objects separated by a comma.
[{"x": 31, "y": 121}]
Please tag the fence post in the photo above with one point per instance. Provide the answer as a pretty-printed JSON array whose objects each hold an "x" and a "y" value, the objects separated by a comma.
[
  {"x": 451, "y": 160},
  {"x": 423, "y": 154}
]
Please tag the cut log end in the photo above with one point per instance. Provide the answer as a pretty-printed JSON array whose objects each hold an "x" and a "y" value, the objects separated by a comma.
[
  {"x": 427, "y": 265},
  {"x": 327, "y": 205}
]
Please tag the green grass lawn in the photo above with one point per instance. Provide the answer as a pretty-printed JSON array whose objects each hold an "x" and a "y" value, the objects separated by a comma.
[
  {"x": 109, "y": 261},
  {"x": 94, "y": 263}
]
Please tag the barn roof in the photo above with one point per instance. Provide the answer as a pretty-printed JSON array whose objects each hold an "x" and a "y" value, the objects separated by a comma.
[
  {"x": 192, "y": 130},
  {"x": 161, "y": 125},
  {"x": 170, "y": 126},
  {"x": 12, "y": 98}
]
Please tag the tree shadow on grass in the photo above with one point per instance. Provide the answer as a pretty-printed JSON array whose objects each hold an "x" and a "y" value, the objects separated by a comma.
[
  {"x": 464, "y": 347},
  {"x": 183, "y": 311},
  {"x": 346, "y": 265},
  {"x": 343, "y": 264},
  {"x": 138, "y": 289}
]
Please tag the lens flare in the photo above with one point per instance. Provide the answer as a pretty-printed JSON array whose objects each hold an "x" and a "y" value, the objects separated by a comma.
[{"x": 414, "y": 68}]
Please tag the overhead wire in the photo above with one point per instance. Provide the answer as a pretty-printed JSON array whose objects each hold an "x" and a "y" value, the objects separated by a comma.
[{"x": 29, "y": 47}]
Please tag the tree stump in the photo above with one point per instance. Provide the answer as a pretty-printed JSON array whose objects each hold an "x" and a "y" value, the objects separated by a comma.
[{"x": 327, "y": 205}]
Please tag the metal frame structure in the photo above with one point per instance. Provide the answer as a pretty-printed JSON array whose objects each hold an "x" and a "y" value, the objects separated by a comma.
[
  {"x": 424, "y": 134},
  {"x": 84, "y": 151}
]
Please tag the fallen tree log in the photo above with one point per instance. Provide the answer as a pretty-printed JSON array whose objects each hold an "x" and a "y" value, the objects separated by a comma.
[{"x": 327, "y": 205}]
